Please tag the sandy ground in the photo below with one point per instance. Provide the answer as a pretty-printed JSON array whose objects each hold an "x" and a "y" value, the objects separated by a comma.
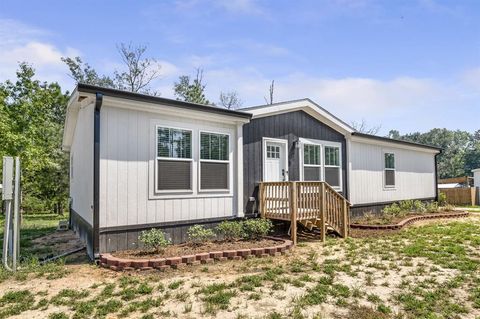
[{"x": 373, "y": 276}]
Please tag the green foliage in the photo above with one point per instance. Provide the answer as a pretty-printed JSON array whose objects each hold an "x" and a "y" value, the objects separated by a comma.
[
  {"x": 256, "y": 228},
  {"x": 198, "y": 234},
  {"x": 231, "y": 230},
  {"x": 191, "y": 91},
  {"x": 154, "y": 239},
  {"x": 442, "y": 199},
  {"x": 32, "y": 115}
]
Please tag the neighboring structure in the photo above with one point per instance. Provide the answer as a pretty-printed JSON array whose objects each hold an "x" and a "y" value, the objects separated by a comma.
[
  {"x": 138, "y": 162},
  {"x": 476, "y": 177}
]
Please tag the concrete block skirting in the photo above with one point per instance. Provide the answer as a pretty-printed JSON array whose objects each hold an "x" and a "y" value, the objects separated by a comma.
[{"x": 124, "y": 264}]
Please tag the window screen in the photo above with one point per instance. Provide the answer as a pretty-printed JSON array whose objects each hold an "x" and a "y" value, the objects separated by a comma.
[
  {"x": 389, "y": 177},
  {"x": 390, "y": 160},
  {"x": 332, "y": 176},
  {"x": 214, "y": 175},
  {"x": 311, "y": 173},
  {"x": 214, "y": 146},
  {"x": 174, "y": 175}
]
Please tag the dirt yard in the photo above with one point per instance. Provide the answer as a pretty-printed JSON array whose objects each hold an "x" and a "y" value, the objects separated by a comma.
[{"x": 429, "y": 270}]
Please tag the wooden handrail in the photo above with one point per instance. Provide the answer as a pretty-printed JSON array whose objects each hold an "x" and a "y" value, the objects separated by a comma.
[{"x": 310, "y": 202}]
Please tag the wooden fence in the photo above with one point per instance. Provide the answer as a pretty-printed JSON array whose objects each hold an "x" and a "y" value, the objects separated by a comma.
[{"x": 461, "y": 195}]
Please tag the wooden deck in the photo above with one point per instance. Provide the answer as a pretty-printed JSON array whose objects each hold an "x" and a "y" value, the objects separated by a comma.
[{"x": 314, "y": 204}]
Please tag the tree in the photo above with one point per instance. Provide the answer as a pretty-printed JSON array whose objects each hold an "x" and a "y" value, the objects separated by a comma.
[
  {"x": 32, "y": 114},
  {"x": 191, "y": 91},
  {"x": 137, "y": 77},
  {"x": 82, "y": 72},
  {"x": 270, "y": 93},
  {"x": 230, "y": 100},
  {"x": 363, "y": 127},
  {"x": 456, "y": 147},
  {"x": 140, "y": 71}
]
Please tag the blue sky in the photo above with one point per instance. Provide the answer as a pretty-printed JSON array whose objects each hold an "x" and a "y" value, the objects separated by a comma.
[{"x": 406, "y": 65}]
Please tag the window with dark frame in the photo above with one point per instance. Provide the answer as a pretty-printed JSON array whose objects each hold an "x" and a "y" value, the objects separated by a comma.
[
  {"x": 214, "y": 161},
  {"x": 174, "y": 159},
  {"x": 389, "y": 170}
]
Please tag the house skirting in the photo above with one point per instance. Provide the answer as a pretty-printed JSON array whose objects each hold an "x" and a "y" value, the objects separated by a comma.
[
  {"x": 83, "y": 229},
  {"x": 126, "y": 237},
  {"x": 357, "y": 211}
]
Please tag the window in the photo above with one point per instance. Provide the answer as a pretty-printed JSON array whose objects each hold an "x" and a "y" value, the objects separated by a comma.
[
  {"x": 214, "y": 161},
  {"x": 273, "y": 151},
  {"x": 389, "y": 169},
  {"x": 174, "y": 159},
  {"x": 311, "y": 162},
  {"x": 332, "y": 166}
]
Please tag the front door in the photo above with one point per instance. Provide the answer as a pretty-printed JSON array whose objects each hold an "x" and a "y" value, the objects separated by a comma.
[{"x": 275, "y": 161}]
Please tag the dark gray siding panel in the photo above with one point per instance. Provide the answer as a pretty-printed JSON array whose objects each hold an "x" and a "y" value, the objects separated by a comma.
[
  {"x": 290, "y": 126},
  {"x": 126, "y": 237}
]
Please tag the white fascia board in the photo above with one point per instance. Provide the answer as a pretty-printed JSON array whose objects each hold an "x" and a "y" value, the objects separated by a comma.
[
  {"x": 302, "y": 105},
  {"x": 71, "y": 116},
  {"x": 171, "y": 110},
  {"x": 392, "y": 144}
]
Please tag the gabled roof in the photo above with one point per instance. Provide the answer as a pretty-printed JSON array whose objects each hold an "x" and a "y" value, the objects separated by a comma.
[
  {"x": 305, "y": 105},
  {"x": 328, "y": 118}
]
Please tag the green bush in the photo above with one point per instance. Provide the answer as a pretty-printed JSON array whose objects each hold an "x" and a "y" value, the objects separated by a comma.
[
  {"x": 442, "y": 199},
  {"x": 256, "y": 228},
  {"x": 198, "y": 234},
  {"x": 431, "y": 207},
  {"x": 419, "y": 206},
  {"x": 230, "y": 230},
  {"x": 154, "y": 239},
  {"x": 392, "y": 210}
]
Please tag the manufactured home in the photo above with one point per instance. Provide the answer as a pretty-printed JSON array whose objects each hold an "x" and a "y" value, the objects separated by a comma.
[{"x": 138, "y": 162}]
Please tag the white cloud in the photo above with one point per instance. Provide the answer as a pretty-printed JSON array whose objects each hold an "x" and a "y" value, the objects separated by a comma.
[
  {"x": 472, "y": 78},
  {"x": 405, "y": 103},
  {"x": 22, "y": 43}
]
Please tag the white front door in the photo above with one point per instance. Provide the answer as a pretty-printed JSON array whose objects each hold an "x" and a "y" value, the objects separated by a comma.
[{"x": 275, "y": 161}]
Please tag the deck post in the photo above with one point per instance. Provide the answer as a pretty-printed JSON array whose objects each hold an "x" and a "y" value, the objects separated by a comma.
[
  {"x": 261, "y": 198},
  {"x": 293, "y": 212},
  {"x": 345, "y": 218},
  {"x": 323, "y": 211}
]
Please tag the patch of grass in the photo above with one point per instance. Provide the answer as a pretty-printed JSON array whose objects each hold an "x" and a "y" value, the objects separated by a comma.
[
  {"x": 68, "y": 296},
  {"x": 58, "y": 315},
  {"x": 16, "y": 302},
  {"x": 175, "y": 284},
  {"x": 111, "y": 306}
]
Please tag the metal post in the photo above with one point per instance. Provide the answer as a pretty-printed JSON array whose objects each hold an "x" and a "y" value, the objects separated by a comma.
[{"x": 16, "y": 215}]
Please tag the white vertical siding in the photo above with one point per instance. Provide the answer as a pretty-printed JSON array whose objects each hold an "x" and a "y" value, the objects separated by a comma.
[
  {"x": 127, "y": 151},
  {"x": 81, "y": 154},
  {"x": 414, "y": 177}
]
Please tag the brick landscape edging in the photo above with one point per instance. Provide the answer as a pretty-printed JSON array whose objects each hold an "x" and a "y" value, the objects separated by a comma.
[
  {"x": 408, "y": 221},
  {"x": 124, "y": 264}
]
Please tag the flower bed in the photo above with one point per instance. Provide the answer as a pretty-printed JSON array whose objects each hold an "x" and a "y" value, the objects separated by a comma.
[
  {"x": 408, "y": 220},
  {"x": 195, "y": 255}
]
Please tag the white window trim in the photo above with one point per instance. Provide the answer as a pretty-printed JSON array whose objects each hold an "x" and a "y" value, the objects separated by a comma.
[
  {"x": 157, "y": 158},
  {"x": 385, "y": 186},
  {"x": 200, "y": 160},
  {"x": 322, "y": 144},
  {"x": 264, "y": 154}
]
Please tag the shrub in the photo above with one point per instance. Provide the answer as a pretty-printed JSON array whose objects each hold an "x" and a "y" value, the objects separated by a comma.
[
  {"x": 392, "y": 210},
  {"x": 154, "y": 239},
  {"x": 231, "y": 231},
  {"x": 442, "y": 199},
  {"x": 419, "y": 206},
  {"x": 431, "y": 207},
  {"x": 198, "y": 234},
  {"x": 256, "y": 228}
]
